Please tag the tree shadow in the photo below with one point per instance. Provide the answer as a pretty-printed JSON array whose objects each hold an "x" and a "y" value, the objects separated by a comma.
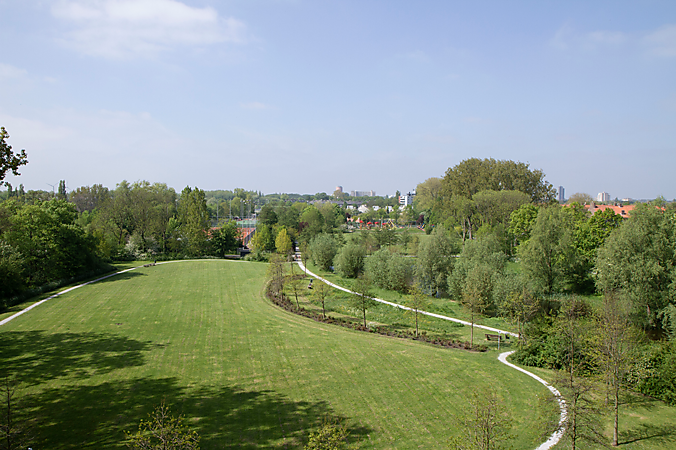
[
  {"x": 36, "y": 356},
  {"x": 655, "y": 434},
  {"x": 225, "y": 417}
]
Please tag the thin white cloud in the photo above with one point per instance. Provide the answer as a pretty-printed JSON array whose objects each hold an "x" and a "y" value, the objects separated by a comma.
[
  {"x": 568, "y": 38},
  {"x": 127, "y": 28},
  {"x": 8, "y": 71},
  {"x": 662, "y": 42},
  {"x": 255, "y": 105}
]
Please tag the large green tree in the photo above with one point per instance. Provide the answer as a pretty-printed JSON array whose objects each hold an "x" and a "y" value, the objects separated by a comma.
[
  {"x": 9, "y": 161},
  {"x": 193, "y": 216},
  {"x": 435, "y": 260},
  {"x": 639, "y": 258}
]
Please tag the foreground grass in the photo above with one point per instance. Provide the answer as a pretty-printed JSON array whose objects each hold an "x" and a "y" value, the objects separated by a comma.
[{"x": 245, "y": 373}]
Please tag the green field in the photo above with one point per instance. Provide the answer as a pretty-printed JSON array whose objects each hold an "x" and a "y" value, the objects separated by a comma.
[{"x": 244, "y": 373}]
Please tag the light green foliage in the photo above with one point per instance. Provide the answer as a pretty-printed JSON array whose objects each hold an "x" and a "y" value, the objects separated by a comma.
[
  {"x": 162, "y": 431},
  {"x": 349, "y": 261},
  {"x": 521, "y": 222},
  {"x": 639, "y": 259},
  {"x": 320, "y": 292},
  {"x": 548, "y": 254},
  {"x": 389, "y": 270},
  {"x": 8, "y": 160},
  {"x": 485, "y": 251},
  {"x": 330, "y": 436},
  {"x": 323, "y": 249},
  {"x": 263, "y": 240},
  {"x": 435, "y": 260},
  {"x": 283, "y": 243}
]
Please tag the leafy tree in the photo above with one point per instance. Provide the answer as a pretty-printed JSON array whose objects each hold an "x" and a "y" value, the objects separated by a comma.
[
  {"x": 283, "y": 243},
  {"x": 495, "y": 207},
  {"x": 313, "y": 220},
  {"x": 263, "y": 240},
  {"x": 638, "y": 259},
  {"x": 225, "y": 239},
  {"x": 267, "y": 215},
  {"x": 11, "y": 267},
  {"x": 518, "y": 304},
  {"x": 521, "y": 222},
  {"x": 483, "y": 251},
  {"x": 163, "y": 431},
  {"x": 194, "y": 218},
  {"x": 389, "y": 270},
  {"x": 8, "y": 160},
  {"x": 61, "y": 193},
  {"x": 547, "y": 255},
  {"x": 435, "y": 260},
  {"x": 349, "y": 261},
  {"x": 361, "y": 298},
  {"x": 323, "y": 249},
  {"x": 88, "y": 198}
]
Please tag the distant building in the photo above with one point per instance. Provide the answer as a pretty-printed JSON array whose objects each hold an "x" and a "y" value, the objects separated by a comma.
[
  {"x": 363, "y": 193},
  {"x": 339, "y": 189},
  {"x": 603, "y": 197},
  {"x": 562, "y": 194},
  {"x": 407, "y": 199},
  {"x": 363, "y": 208}
]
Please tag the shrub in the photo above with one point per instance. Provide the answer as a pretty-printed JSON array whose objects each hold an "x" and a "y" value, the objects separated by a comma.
[
  {"x": 323, "y": 249},
  {"x": 350, "y": 260}
]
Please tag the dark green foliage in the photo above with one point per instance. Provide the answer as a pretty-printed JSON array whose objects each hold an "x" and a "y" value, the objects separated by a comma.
[
  {"x": 43, "y": 244},
  {"x": 485, "y": 251},
  {"x": 349, "y": 262},
  {"x": 225, "y": 240},
  {"x": 8, "y": 160}
]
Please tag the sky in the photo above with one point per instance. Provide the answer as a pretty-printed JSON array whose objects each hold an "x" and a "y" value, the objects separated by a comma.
[{"x": 301, "y": 96}]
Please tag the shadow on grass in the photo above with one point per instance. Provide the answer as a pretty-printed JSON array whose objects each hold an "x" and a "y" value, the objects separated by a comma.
[
  {"x": 35, "y": 356},
  {"x": 225, "y": 417},
  {"x": 653, "y": 434}
]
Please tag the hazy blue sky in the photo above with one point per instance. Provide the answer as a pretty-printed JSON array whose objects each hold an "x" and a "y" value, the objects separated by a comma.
[{"x": 301, "y": 96}]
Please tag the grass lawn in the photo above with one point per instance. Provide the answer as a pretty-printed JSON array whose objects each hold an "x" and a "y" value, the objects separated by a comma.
[{"x": 245, "y": 374}]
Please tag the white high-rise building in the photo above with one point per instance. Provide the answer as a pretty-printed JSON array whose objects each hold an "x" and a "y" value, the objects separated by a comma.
[
  {"x": 407, "y": 199},
  {"x": 603, "y": 197},
  {"x": 562, "y": 194}
]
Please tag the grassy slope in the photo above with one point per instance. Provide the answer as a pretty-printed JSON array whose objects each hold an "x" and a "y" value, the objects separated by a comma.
[{"x": 246, "y": 374}]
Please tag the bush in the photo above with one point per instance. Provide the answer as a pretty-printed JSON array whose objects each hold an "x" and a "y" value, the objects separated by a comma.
[
  {"x": 389, "y": 271},
  {"x": 323, "y": 249},
  {"x": 655, "y": 372},
  {"x": 350, "y": 260}
]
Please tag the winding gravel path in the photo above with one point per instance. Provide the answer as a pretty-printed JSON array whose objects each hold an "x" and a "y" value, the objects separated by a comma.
[{"x": 551, "y": 442}]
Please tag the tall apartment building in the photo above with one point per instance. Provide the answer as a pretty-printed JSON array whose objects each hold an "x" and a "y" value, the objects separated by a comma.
[
  {"x": 603, "y": 197},
  {"x": 363, "y": 193},
  {"x": 407, "y": 199},
  {"x": 562, "y": 194}
]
